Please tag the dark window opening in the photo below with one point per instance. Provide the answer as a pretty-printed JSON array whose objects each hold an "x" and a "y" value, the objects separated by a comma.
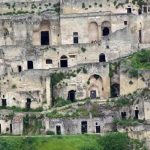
[
  {"x": 125, "y": 22},
  {"x": 45, "y": 38},
  {"x": 93, "y": 94},
  {"x": 115, "y": 90},
  {"x": 102, "y": 58},
  {"x": 19, "y": 68},
  {"x": 48, "y": 61},
  {"x": 84, "y": 127},
  {"x": 58, "y": 130},
  {"x": 75, "y": 38},
  {"x": 140, "y": 36},
  {"x": 30, "y": 64},
  {"x": 63, "y": 61},
  {"x": 145, "y": 9},
  {"x": 105, "y": 31},
  {"x": 98, "y": 129},
  {"x": 136, "y": 114},
  {"x": 139, "y": 11},
  {"x": 28, "y": 103},
  {"x": 4, "y": 103},
  {"x": 10, "y": 128},
  {"x": 129, "y": 10},
  {"x": 71, "y": 95},
  {"x": 123, "y": 115}
]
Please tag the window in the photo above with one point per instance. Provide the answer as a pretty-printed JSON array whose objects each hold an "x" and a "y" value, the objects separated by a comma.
[
  {"x": 30, "y": 64},
  {"x": 102, "y": 58},
  {"x": 139, "y": 11},
  {"x": 105, "y": 31},
  {"x": 140, "y": 36},
  {"x": 106, "y": 28},
  {"x": 75, "y": 38},
  {"x": 125, "y": 22},
  {"x": 45, "y": 38},
  {"x": 49, "y": 61},
  {"x": 129, "y": 10},
  {"x": 63, "y": 61},
  {"x": 145, "y": 9}
]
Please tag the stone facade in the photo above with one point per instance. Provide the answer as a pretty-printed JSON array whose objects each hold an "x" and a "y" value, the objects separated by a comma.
[{"x": 40, "y": 38}]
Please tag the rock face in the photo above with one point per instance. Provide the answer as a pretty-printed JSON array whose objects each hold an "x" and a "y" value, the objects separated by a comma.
[{"x": 69, "y": 50}]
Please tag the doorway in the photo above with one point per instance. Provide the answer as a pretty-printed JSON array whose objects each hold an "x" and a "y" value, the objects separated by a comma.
[
  {"x": 136, "y": 113},
  {"x": 98, "y": 129},
  {"x": 58, "y": 130},
  {"x": 93, "y": 94},
  {"x": 10, "y": 128},
  {"x": 71, "y": 95},
  {"x": 63, "y": 61},
  {"x": 4, "y": 103},
  {"x": 28, "y": 103},
  {"x": 84, "y": 127}
]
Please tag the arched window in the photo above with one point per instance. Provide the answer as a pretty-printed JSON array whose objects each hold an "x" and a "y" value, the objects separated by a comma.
[
  {"x": 105, "y": 31},
  {"x": 106, "y": 28},
  {"x": 102, "y": 58},
  {"x": 49, "y": 61},
  {"x": 63, "y": 61}
]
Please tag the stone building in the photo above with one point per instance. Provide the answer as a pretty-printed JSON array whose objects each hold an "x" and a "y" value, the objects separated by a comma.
[{"x": 39, "y": 38}]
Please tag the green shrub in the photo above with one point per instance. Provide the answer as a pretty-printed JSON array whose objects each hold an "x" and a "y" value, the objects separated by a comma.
[
  {"x": 126, "y": 122},
  {"x": 50, "y": 133},
  {"x": 59, "y": 102}
]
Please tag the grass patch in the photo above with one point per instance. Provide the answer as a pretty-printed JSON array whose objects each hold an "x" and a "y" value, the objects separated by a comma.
[{"x": 112, "y": 141}]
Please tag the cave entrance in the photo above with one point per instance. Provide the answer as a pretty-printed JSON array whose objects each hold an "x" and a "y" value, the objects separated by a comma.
[
  {"x": 71, "y": 95},
  {"x": 123, "y": 115},
  {"x": 84, "y": 127}
]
